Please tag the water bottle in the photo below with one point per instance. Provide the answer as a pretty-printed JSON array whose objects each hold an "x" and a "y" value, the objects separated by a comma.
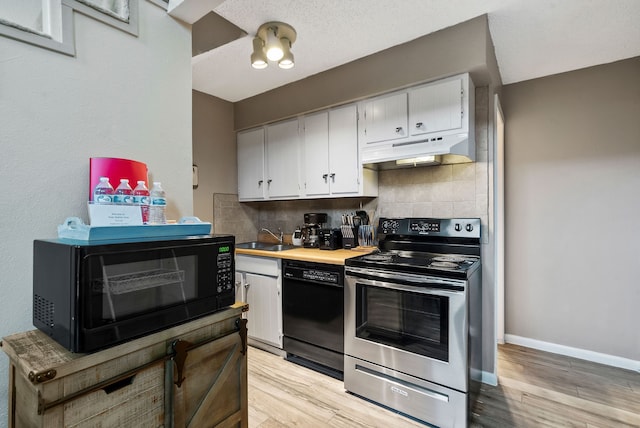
[
  {"x": 103, "y": 193},
  {"x": 123, "y": 193},
  {"x": 141, "y": 197},
  {"x": 158, "y": 204}
]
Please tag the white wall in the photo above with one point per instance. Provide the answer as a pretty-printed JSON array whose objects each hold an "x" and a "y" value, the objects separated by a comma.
[
  {"x": 214, "y": 152},
  {"x": 121, "y": 96},
  {"x": 572, "y": 150}
]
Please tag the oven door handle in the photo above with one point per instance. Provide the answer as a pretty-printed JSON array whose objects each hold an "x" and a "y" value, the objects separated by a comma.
[{"x": 408, "y": 282}]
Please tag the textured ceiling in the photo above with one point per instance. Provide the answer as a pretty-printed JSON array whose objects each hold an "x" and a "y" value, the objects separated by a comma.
[{"x": 531, "y": 38}]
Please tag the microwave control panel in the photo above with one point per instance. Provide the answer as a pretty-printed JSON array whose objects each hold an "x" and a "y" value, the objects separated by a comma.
[{"x": 225, "y": 272}]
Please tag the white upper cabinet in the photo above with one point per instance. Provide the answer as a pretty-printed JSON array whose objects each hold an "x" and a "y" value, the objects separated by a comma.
[
  {"x": 331, "y": 152},
  {"x": 435, "y": 118},
  {"x": 345, "y": 170},
  {"x": 283, "y": 159},
  {"x": 251, "y": 185},
  {"x": 436, "y": 107},
  {"x": 385, "y": 118},
  {"x": 316, "y": 154}
]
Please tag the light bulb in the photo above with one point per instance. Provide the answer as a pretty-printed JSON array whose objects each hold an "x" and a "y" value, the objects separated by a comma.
[
  {"x": 258, "y": 64},
  {"x": 287, "y": 58},
  {"x": 273, "y": 46}
]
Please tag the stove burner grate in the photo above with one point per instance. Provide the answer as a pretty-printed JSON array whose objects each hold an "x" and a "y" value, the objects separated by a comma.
[
  {"x": 444, "y": 264},
  {"x": 449, "y": 259},
  {"x": 379, "y": 257}
]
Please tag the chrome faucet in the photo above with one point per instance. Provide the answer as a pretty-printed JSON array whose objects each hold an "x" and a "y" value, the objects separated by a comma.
[{"x": 280, "y": 238}]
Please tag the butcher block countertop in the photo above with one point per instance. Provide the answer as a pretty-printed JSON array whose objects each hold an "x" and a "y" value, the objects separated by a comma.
[{"x": 332, "y": 257}]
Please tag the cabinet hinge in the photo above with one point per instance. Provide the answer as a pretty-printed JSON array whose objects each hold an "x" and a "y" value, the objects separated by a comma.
[
  {"x": 180, "y": 349},
  {"x": 241, "y": 325},
  {"x": 43, "y": 376}
]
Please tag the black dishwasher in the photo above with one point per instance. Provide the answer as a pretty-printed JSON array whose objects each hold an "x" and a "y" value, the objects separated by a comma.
[{"x": 313, "y": 315}]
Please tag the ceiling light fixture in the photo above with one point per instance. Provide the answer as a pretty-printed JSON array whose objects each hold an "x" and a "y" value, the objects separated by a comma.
[{"x": 273, "y": 42}]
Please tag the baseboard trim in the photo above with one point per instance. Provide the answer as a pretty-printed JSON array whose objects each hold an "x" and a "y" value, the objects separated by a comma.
[
  {"x": 583, "y": 354},
  {"x": 489, "y": 378}
]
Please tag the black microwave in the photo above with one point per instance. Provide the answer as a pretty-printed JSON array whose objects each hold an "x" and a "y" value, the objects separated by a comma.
[{"x": 90, "y": 296}]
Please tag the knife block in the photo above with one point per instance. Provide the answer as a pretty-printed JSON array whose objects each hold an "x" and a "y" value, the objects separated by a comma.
[{"x": 349, "y": 236}]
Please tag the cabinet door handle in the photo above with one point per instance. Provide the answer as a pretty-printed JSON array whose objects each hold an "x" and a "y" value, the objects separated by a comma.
[
  {"x": 333, "y": 176},
  {"x": 260, "y": 182},
  {"x": 398, "y": 129},
  {"x": 325, "y": 177},
  {"x": 269, "y": 181},
  {"x": 419, "y": 125}
]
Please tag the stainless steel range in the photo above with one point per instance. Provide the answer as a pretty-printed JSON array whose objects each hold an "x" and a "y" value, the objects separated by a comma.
[{"x": 413, "y": 319}]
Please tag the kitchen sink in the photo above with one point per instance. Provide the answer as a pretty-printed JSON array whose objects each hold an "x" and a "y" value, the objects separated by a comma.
[
  {"x": 253, "y": 245},
  {"x": 281, "y": 247},
  {"x": 264, "y": 246}
]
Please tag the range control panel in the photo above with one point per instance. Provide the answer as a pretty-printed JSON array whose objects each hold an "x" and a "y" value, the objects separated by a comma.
[
  {"x": 450, "y": 227},
  {"x": 424, "y": 226}
]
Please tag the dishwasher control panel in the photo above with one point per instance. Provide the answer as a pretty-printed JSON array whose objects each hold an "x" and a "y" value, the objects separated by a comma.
[{"x": 306, "y": 271}]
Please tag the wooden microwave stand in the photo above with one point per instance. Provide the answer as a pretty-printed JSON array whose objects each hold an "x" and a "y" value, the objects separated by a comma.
[{"x": 190, "y": 375}]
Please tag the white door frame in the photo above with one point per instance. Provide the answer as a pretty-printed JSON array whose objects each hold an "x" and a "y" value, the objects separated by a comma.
[{"x": 498, "y": 183}]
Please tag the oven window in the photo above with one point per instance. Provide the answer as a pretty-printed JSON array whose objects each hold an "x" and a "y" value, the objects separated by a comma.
[{"x": 415, "y": 322}]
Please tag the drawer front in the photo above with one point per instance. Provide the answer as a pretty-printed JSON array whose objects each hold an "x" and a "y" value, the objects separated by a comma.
[
  {"x": 137, "y": 401},
  {"x": 259, "y": 265}
]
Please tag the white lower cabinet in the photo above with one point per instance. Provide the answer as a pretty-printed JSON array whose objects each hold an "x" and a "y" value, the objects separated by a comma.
[{"x": 259, "y": 283}]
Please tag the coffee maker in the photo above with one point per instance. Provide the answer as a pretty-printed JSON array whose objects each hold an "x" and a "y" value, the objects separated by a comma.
[{"x": 313, "y": 222}]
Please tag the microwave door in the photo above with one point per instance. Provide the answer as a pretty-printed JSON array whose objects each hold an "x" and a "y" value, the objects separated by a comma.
[{"x": 125, "y": 289}]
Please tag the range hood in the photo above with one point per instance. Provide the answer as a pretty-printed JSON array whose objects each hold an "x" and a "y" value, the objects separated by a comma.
[{"x": 435, "y": 150}]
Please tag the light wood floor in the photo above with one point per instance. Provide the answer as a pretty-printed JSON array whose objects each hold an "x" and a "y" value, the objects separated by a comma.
[{"x": 537, "y": 389}]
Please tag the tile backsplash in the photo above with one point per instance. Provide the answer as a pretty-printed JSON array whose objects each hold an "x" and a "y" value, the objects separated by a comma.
[
  {"x": 457, "y": 190},
  {"x": 246, "y": 219}
]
